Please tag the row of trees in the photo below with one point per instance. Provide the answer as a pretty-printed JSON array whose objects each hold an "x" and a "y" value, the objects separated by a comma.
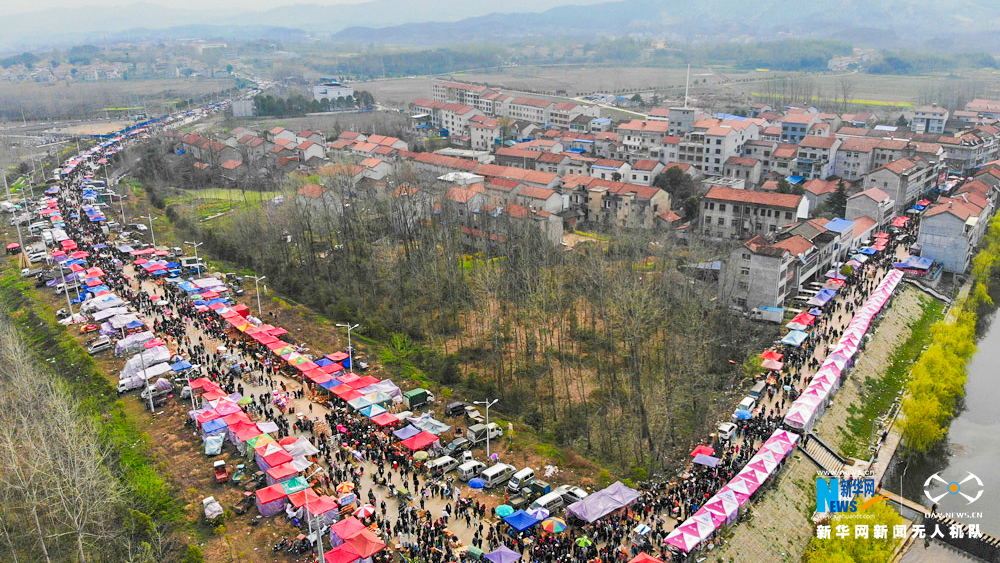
[
  {"x": 937, "y": 378},
  {"x": 298, "y": 105},
  {"x": 610, "y": 348},
  {"x": 61, "y": 490}
]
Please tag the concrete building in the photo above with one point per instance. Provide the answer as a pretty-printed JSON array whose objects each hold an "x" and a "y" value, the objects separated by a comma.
[
  {"x": 905, "y": 180},
  {"x": 873, "y": 203},
  {"x": 739, "y": 214},
  {"x": 763, "y": 274},
  {"x": 330, "y": 90},
  {"x": 795, "y": 126},
  {"x": 949, "y": 232},
  {"x": 750, "y": 170},
  {"x": 929, "y": 119},
  {"x": 815, "y": 157}
]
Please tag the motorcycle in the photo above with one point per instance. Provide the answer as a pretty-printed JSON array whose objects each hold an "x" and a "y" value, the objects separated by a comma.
[{"x": 282, "y": 545}]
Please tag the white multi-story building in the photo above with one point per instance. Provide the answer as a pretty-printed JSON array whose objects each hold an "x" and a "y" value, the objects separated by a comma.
[
  {"x": 331, "y": 91},
  {"x": 929, "y": 119}
]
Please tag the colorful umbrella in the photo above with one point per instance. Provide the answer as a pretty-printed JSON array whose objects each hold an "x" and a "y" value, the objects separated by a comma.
[
  {"x": 554, "y": 525},
  {"x": 504, "y": 510},
  {"x": 477, "y": 483},
  {"x": 538, "y": 513},
  {"x": 345, "y": 488},
  {"x": 365, "y": 510}
]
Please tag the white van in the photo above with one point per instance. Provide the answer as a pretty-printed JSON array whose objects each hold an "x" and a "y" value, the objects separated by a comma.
[
  {"x": 470, "y": 469},
  {"x": 441, "y": 465},
  {"x": 549, "y": 502},
  {"x": 497, "y": 474},
  {"x": 521, "y": 479}
]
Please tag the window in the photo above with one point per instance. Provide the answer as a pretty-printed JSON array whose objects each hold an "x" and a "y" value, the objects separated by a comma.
[
  {"x": 788, "y": 215},
  {"x": 722, "y": 221},
  {"x": 745, "y": 255},
  {"x": 744, "y": 271},
  {"x": 722, "y": 207},
  {"x": 743, "y": 286}
]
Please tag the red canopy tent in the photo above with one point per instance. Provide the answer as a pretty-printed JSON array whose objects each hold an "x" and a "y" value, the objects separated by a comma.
[
  {"x": 420, "y": 441},
  {"x": 343, "y": 553},
  {"x": 644, "y": 558},
  {"x": 363, "y": 382},
  {"x": 771, "y": 355},
  {"x": 702, "y": 449},
  {"x": 348, "y": 527},
  {"x": 317, "y": 376},
  {"x": 365, "y": 543},
  {"x": 332, "y": 368},
  {"x": 337, "y": 356},
  {"x": 804, "y": 318},
  {"x": 346, "y": 393},
  {"x": 385, "y": 419},
  {"x": 299, "y": 499},
  {"x": 241, "y": 309}
]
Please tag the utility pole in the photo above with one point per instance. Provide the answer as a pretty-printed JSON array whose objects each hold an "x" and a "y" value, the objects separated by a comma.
[
  {"x": 196, "y": 260},
  {"x": 256, "y": 285},
  {"x": 151, "y": 233},
  {"x": 488, "y": 404},
  {"x": 687, "y": 84},
  {"x": 350, "y": 348}
]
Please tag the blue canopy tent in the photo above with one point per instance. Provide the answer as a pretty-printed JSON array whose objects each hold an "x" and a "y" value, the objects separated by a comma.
[
  {"x": 215, "y": 425},
  {"x": 323, "y": 362},
  {"x": 328, "y": 385},
  {"x": 520, "y": 521},
  {"x": 181, "y": 365},
  {"x": 868, "y": 251},
  {"x": 795, "y": 338},
  {"x": 822, "y": 298},
  {"x": 914, "y": 263}
]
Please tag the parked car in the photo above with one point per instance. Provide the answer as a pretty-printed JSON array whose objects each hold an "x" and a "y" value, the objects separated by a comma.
[
  {"x": 570, "y": 493},
  {"x": 456, "y": 408},
  {"x": 459, "y": 445},
  {"x": 727, "y": 430},
  {"x": 99, "y": 345}
]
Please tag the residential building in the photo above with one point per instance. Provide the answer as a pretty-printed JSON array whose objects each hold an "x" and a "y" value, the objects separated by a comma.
[
  {"x": 457, "y": 92},
  {"x": 761, "y": 273},
  {"x": 929, "y": 119},
  {"x": 874, "y": 203},
  {"x": 795, "y": 126},
  {"x": 818, "y": 191},
  {"x": 949, "y": 232},
  {"x": 607, "y": 169},
  {"x": 750, "y": 170},
  {"x": 984, "y": 108},
  {"x": 815, "y": 157},
  {"x": 642, "y": 139},
  {"x": 738, "y": 214},
  {"x": 905, "y": 180},
  {"x": 644, "y": 171}
]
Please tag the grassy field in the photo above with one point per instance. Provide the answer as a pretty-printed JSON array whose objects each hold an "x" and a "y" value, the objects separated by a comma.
[
  {"x": 212, "y": 202},
  {"x": 385, "y": 122}
]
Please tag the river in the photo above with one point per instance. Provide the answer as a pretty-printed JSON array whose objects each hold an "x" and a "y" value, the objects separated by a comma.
[{"x": 972, "y": 447}]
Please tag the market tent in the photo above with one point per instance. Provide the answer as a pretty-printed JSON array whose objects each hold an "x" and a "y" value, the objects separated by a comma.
[
  {"x": 503, "y": 555},
  {"x": 430, "y": 424},
  {"x": 644, "y": 557},
  {"x": 772, "y": 355},
  {"x": 772, "y": 365},
  {"x": 702, "y": 450},
  {"x": 365, "y": 543},
  {"x": 520, "y": 520},
  {"x": 271, "y": 500},
  {"x": 794, "y": 338},
  {"x": 421, "y": 441},
  {"x": 406, "y": 432},
  {"x": 345, "y": 529},
  {"x": 385, "y": 419},
  {"x": 804, "y": 318},
  {"x": 603, "y": 502},
  {"x": 343, "y": 553}
]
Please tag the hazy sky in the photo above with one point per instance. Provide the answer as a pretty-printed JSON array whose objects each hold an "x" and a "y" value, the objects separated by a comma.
[{"x": 13, "y": 7}]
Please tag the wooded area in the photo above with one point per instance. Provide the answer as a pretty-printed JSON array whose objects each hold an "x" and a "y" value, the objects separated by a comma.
[{"x": 611, "y": 348}]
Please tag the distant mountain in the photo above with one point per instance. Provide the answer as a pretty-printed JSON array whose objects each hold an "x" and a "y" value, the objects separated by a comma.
[
  {"x": 877, "y": 23},
  {"x": 42, "y": 28}
]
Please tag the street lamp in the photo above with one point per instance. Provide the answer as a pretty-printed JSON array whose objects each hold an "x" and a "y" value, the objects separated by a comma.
[
  {"x": 309, "y": 519},
  {"x": 151, "y": 233},
  {"x": 196, "y": 260},
  {"x": 121, "y": 204},
  {"x": 256, "y": 286},
  {"x": 350, "y": 348},
  {"x": 488, "y": 404}
]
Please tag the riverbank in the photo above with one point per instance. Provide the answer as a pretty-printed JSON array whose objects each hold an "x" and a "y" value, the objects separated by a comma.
[{"x": 779, "y": 525}]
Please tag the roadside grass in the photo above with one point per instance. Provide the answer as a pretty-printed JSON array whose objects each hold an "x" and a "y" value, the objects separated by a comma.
[{"x": 880, "y": 392}]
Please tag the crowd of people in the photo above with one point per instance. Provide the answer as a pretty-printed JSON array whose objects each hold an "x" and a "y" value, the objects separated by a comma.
[{"x": 352, "y": 449}]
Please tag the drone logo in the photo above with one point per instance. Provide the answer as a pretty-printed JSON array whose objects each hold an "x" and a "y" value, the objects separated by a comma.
[{"x": 953, "y": 488}]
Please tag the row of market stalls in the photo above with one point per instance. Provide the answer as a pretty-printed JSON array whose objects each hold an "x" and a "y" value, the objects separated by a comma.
[
  {"x": 810, "y": 405},
  {"x": 723, "y": 508}
]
